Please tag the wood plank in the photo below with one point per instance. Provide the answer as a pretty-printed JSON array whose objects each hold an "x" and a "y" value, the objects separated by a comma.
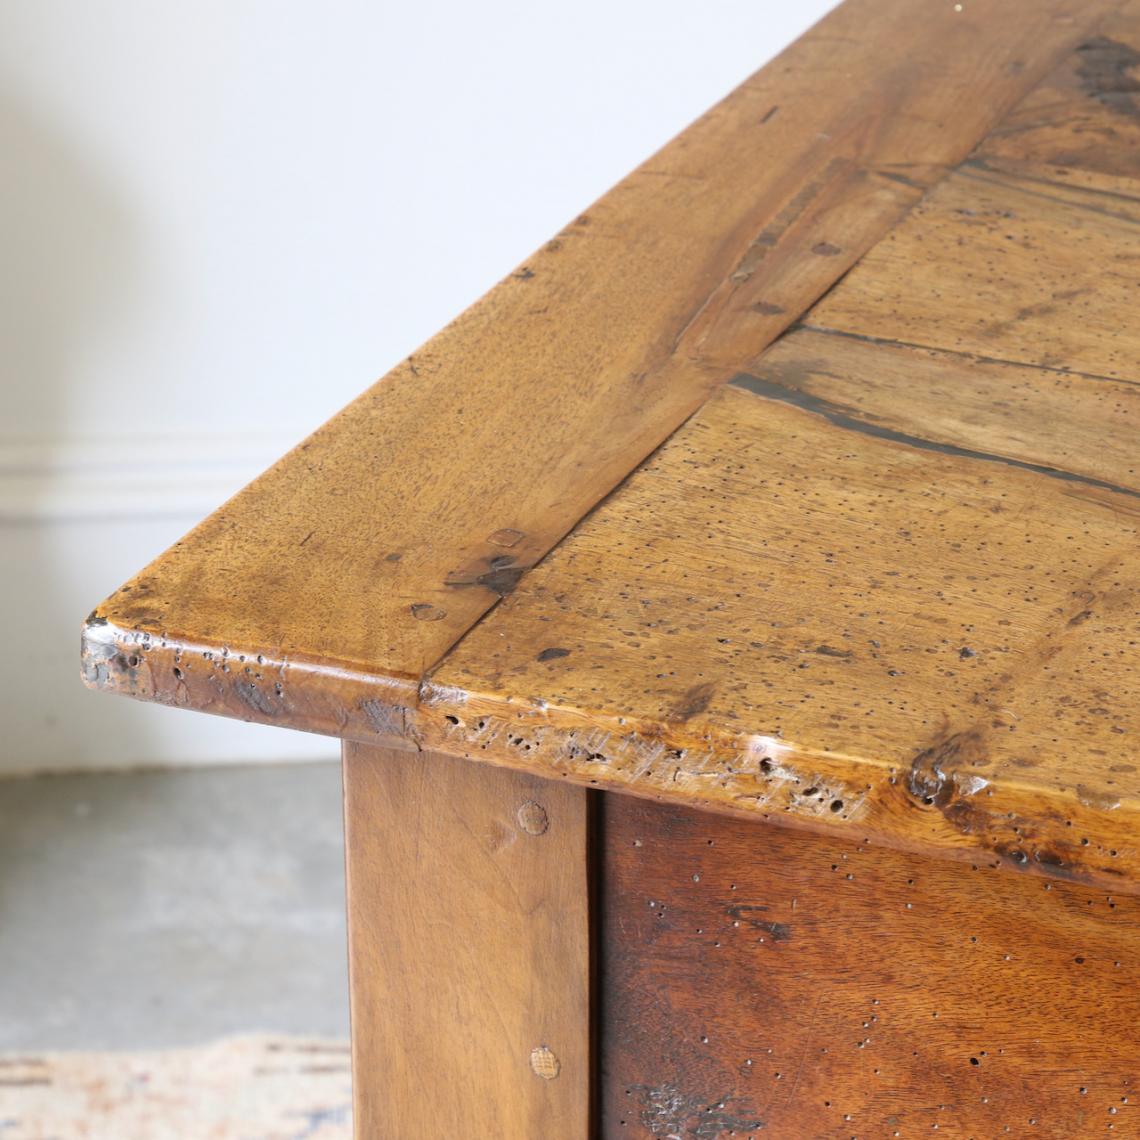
[
  {"x": 319, "y": 596},
  {"x": 469, "y": 950},
  {"x": 1004, "y": 266},
  {"x": 1082, "y": 124},
  {"x": 1027, "y": 253},
  {"x": 820, "y": 989},
  {"x": 786, "y": 614},
  {"x": 1051, "y": 420}
]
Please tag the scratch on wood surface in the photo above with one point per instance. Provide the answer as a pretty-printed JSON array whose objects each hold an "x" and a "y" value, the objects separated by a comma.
[{"x": 671, "y": 1114}]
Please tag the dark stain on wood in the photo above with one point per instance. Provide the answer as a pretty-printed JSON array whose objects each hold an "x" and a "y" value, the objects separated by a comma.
[
  {"x": 387, "y": 720},
  {"x": 899, "y": 177},
  {"x": 1105, "y": 72},
  {"x": 942, "y": 776},
  {"x": 932, "y": 770},
  {"x": 849, "y": 419},
  {"x": 257, "y": 699},
  {"x": 552, "y": 654},
  {"x": 831, "y": 651},
  {"x": 780, "y": 931},
  {"x": 501, "y": 575},
  {"x": 694, "y": 701}
]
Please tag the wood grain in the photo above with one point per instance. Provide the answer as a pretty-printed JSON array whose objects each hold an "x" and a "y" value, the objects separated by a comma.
[
  {"x": 1054, "y": 421},
  {"x": 321, "y": 594},
  {"x": 469, "y": 950},
  {"x": 1028, "y": 252},
  {"x": 1000, "y": 265},
  {"x": 904, "y": 576},
  {"x": 885, "y": 582},
  {"x": 1082, "y": 124},
  {"x": 790, "y": 612},
  {"x": 759, "y": 983},
  {"x": 756, "y": 490}
]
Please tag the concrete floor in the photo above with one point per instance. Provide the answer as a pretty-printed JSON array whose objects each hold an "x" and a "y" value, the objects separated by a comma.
[{"x": 153, "y": 909}]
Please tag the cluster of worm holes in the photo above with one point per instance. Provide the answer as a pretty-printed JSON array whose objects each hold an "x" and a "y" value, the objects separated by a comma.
[
  {"x": 766, "y": 766},
  {"x": 134, "y": 660},
  {"x": 975, "y": 1061}
]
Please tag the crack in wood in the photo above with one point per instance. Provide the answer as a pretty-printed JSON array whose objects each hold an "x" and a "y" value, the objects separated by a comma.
[{"x": 844, "y": 417}]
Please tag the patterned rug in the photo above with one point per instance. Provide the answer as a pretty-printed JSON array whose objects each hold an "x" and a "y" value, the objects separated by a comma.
[{"x": 245, "y": 1088}]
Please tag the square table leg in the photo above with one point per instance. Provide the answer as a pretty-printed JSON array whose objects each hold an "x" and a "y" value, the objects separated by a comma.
[{"x": 469, "y": 950}]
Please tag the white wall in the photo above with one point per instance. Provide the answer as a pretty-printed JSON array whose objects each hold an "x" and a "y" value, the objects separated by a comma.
[{"x": 221, "y": 220}]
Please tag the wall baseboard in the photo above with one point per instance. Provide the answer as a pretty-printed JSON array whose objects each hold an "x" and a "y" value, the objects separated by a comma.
[
  {"x": 84, "y": 478},
  {"x": 77, "y": 518}
]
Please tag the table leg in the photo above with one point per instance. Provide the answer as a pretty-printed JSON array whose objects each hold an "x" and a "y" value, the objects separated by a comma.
[{"x": 469, "y": 950}]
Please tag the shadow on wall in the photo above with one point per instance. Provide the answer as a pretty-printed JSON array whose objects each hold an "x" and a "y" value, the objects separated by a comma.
[
  {"x": 71, "y": 269},
  {"x": 70, "y": 257},
  {"x": 81, "y": 510}
]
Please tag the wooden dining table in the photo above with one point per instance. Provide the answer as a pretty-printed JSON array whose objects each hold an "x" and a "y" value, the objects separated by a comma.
[{"x": 732, "y": 622}]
